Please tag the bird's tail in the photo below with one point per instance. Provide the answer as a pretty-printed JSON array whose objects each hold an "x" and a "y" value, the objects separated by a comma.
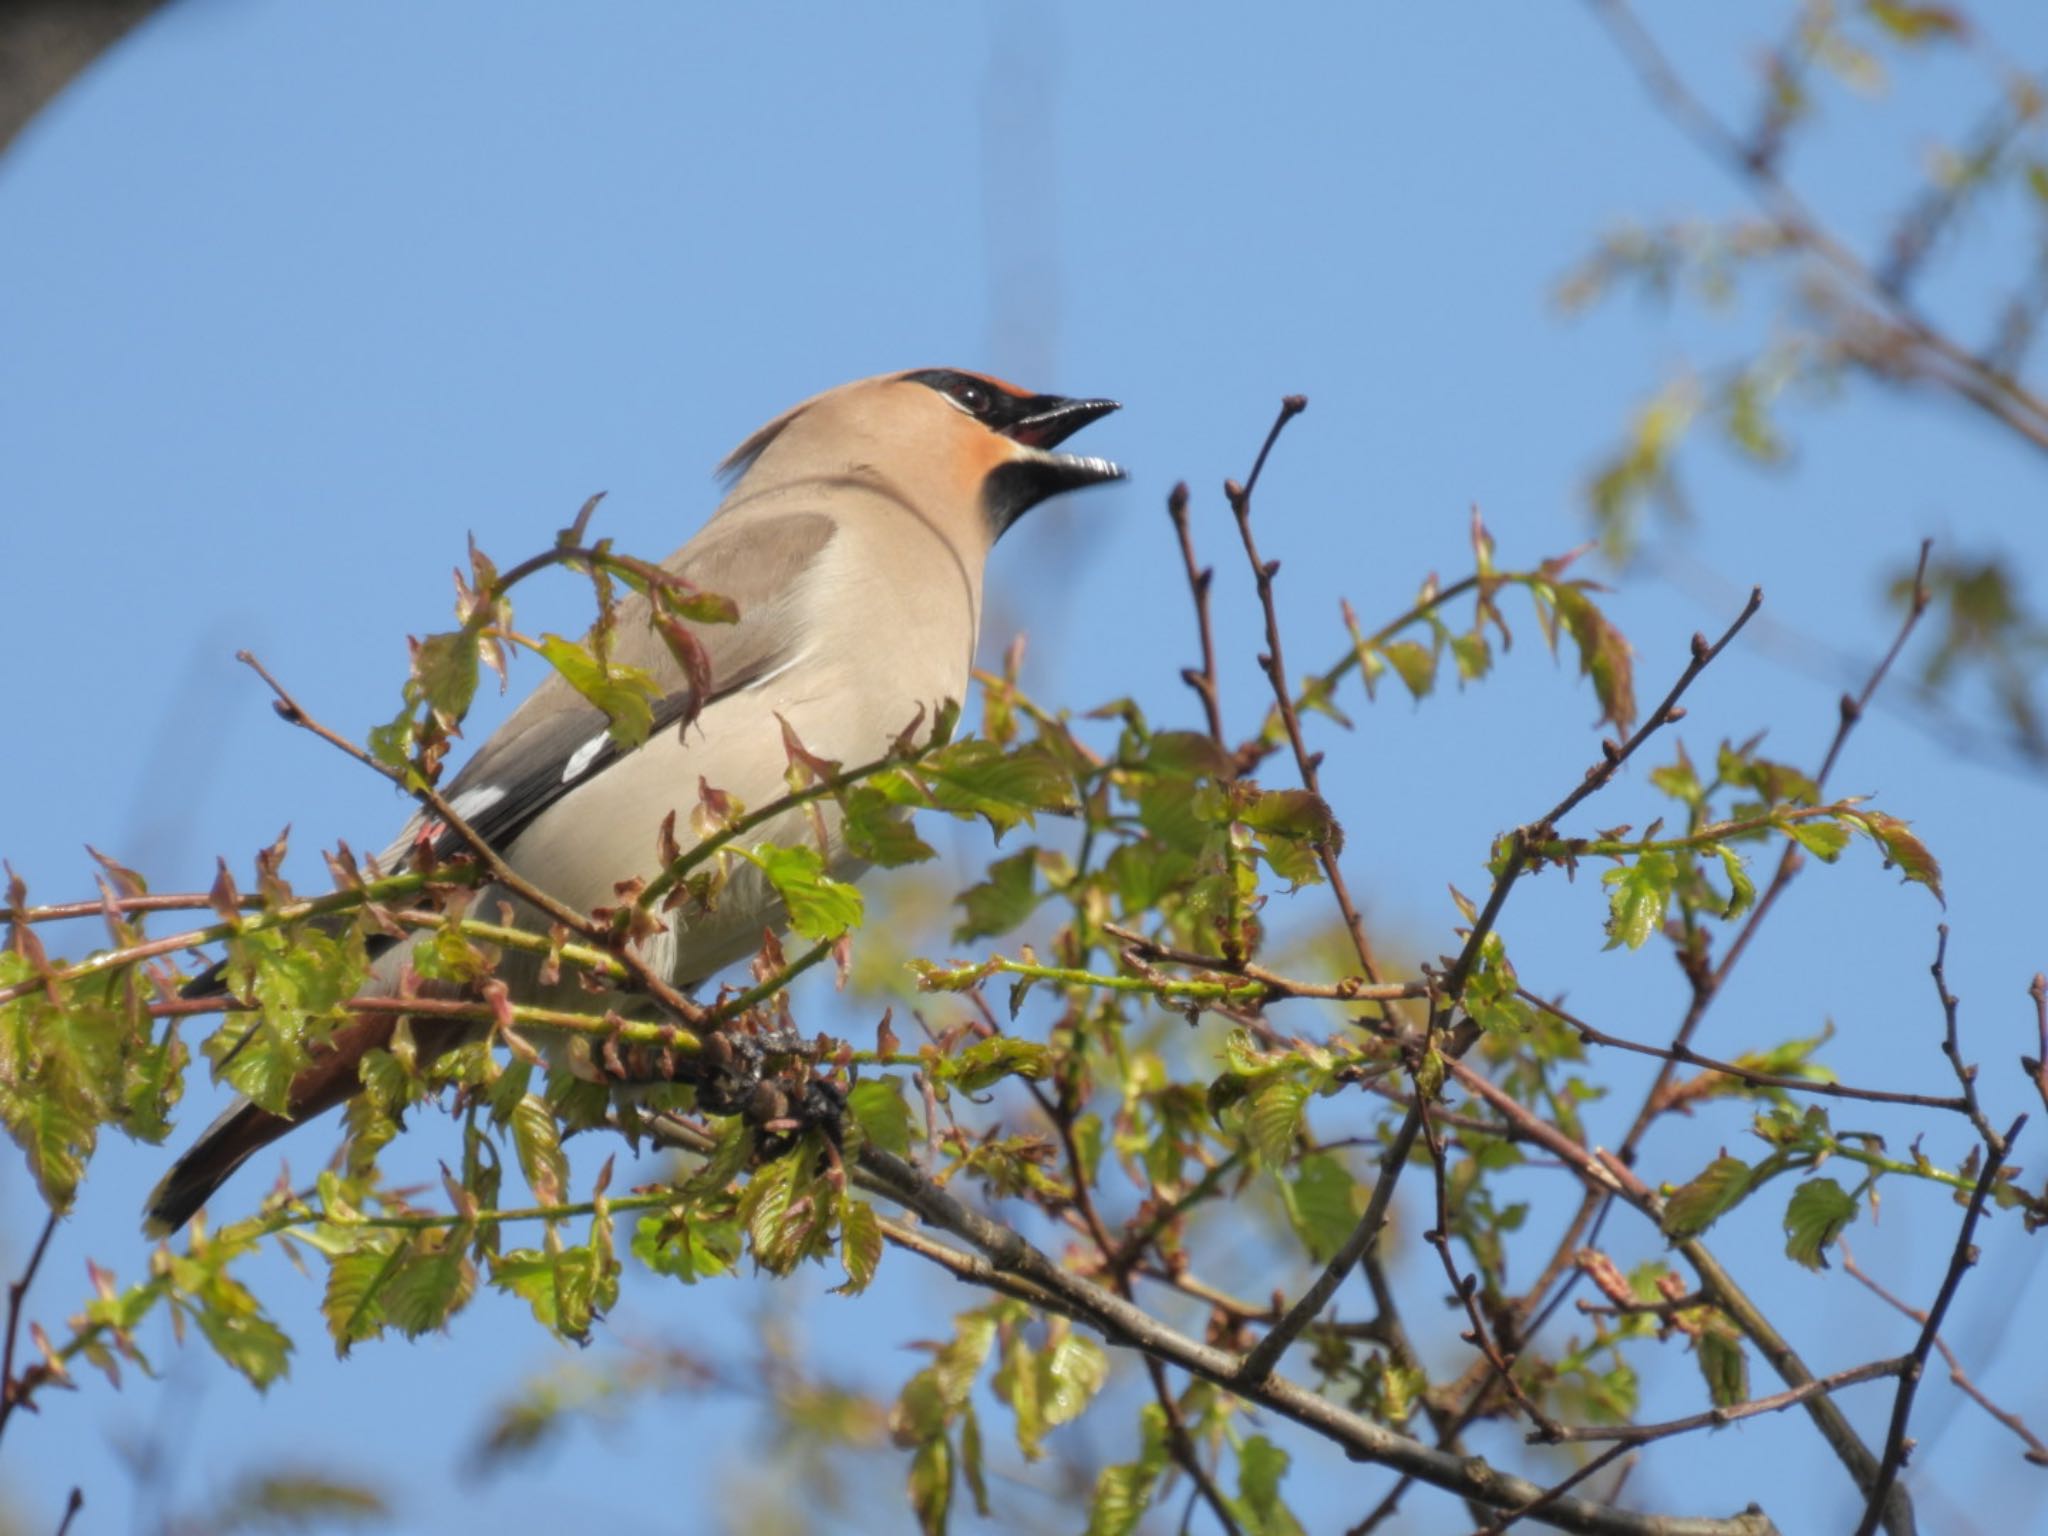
[{"x": 224, "y": 1146}]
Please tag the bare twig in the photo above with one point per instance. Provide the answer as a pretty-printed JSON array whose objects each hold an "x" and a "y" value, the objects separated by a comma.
[
  {"x": 13, "y": 1390},
  {"x": 1199, "y": 579},
  {"x": 1715, "y": 1418},
  {"x": 1960, "y": 1259},
  {"x": 1683, "y": 1053},
  {"x": 72, "y": 1506},
  {"x": 2036, "y": 1451},
  {"x": 1273, "y": 662}
]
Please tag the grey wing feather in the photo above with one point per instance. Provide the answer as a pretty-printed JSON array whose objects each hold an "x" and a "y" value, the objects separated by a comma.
[{"x": 558, "y": 741}]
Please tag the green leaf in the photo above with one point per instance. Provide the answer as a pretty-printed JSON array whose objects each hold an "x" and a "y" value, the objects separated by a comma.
[
  {"x": 428, "y": 1288},
  {"x": 1290, "y": 813},
  {"x": 1680, "y": 780},
  {"x": 1122, "y": 1495},
  {"x": 538, "y": 1141},
  {"x": 1260, "y": 1466},
  {"x": 355, "y": 1280},
  {"x": 1694, "y": 1207},
  {"x": 1902, "y": 848},
  {"x": 689, "y": 1247},
  {"x": 1414, "y": 663},
  {"x": 819, "y": 906},
  {"x": 860, "y": 1243},
  {"x": 1273, "y": 1117},
  {"x": 1741, "y": 889},
  {"x": 625, "y": 694},
  {"x": 1825, "y": 840},
  {"x": 931, "y": 1485},
  {"x": 1819, "y": 1210},
  {"x": 1724, "y": 1365},
  {"x": 1001, "y": 902},
  {"x": 243, "y": 1337},
  {"x": 1640, "y": 896},
  {"x": 877, "y": 832},
  {"x": 987, "y": 1062},
  {"x": 879, "y": 1108},
  {"x": 1603, "y": 656},
  {"x": 444, "y": 670},
  {"x": 1474, "y": 657},
  {"x": 1069, "y": 1375},
  {"x": 1322, "y": 1204},
  {"x": 568, "y": 1289},
  {"x": 978, "y": 778}
]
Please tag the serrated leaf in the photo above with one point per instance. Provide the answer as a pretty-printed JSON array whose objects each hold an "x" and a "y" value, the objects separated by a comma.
[
  {"x": 987, "y": 1062},
  {"x": 625, "y": 694},
  {"x": 1818, "y": 1211},
  {"x": 1260, "y": 1466},
  {"x": 931, "y": 1485},
  {"x": 1825, "y": 840},
  {"x": 1414, "y": 663},
  {"x": 1272, "y": 1118},
  {"x": 860, "y": 1243},
  {"x": 1001, "y": 902},
  {"x": 1122, "y": 1495},
  {"x": 879, "y": 1108},
  {"x": 1694, "y": 1207},
  {"x": 878, "y": 832},
  {"x": 1603, "y": 656},
  {"x": 1903, "y": 849},
  {"x": 1321, "y": 1204},
  {"x": 355, "y": 1280},
  {"x": 1724, "y": 1366},
  {"x": 978, "y": 778},
  {"x": 444, "y": 670},
  {"x": 819, "y": 906},
  {"x": 427, "y": 1289},
  {"x": 538, "y": 1142},
  {"x": 1639, "y": 896},
  {"x": 1070, "y": 1374},
  {"x": 689, "y": 1247}
]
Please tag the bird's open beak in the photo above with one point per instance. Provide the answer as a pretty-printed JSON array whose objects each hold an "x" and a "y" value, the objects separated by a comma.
[{"x": 1045, "y": 422}]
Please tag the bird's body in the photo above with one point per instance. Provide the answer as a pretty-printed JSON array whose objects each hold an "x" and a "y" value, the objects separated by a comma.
[{"x": 852, "y": 542}]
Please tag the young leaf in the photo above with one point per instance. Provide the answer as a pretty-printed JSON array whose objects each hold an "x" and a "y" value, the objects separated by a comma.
[
  {"x": 1694, "y": 1207},
  {"x": 819, "y": 906},
  {"x": 1002, "y": 901},
  {"x": 1819, "y": 1210},
  {"x": 1641, "y": 893}
]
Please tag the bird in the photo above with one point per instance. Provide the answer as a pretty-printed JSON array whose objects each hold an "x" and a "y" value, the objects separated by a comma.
[{"x": 852, "y": 538}]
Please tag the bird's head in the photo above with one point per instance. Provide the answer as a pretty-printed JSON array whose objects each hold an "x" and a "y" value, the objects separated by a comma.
[{"x": 950, "y": 442}]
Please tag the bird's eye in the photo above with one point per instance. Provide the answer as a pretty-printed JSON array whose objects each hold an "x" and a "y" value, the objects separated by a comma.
[{"x": 973, "y": 399}]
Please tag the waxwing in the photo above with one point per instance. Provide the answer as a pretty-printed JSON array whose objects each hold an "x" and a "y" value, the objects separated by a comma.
[{"x": 852, "y": 540}]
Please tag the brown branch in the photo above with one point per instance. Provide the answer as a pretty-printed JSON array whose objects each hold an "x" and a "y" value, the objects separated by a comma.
[
  {"x": 1199, "y": 579},
  {"x": 1535, "y": 1506},
  {"x": 1715, "y": 1418},
  {"x": 1951, "y": 1047},
  {"x": 2036, "y": 1452},
  {"x": 1465, "y": 1288},
  {"x": 1128, "y": 1326},
  {"x": 1273, "y": 662},
  {"x": 72, "y": 1506},
  {"x": 1685, "y": 1054},
  {"x": 14, "y": 1391},
  {"x": 1960, "y": 1259}
]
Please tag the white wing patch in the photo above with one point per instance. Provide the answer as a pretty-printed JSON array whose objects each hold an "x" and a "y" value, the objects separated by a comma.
[
  {"x": 470, "y": 804},
  {"x": 584, "y": 756}
]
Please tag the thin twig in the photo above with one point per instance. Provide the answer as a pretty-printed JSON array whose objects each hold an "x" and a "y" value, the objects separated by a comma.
[
  {"x": 14, "y": 1392},
  {"x": 1200, "y": 578},
  {"x": 1715, "y": 1418},
  {"x": 1274, "y": 664},
  {"x": 1690, "y": 1057},
  {"x": 2036, "y": 1451},
  {"x": 1960, "y": 1259}
]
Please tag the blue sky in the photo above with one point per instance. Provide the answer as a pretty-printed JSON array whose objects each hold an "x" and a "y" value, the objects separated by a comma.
[{"x": 293, "y": 298}]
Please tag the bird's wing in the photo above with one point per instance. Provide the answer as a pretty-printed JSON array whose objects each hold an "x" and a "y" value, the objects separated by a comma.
[{"x": 557, "y": 740}]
